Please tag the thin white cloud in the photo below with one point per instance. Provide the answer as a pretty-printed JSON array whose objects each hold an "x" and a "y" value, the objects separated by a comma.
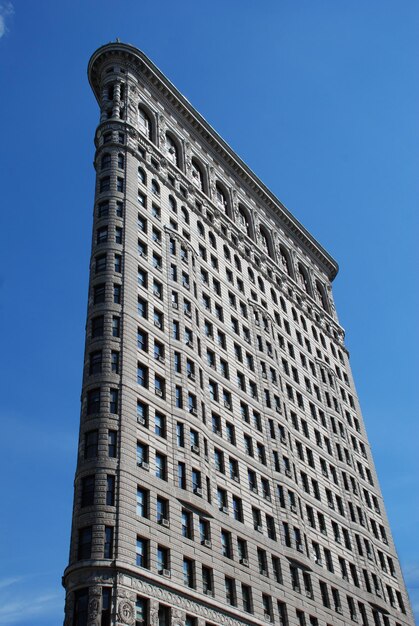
[
  {"x": 6, "y": 9},
  {"x": 17, "y": 604},
  {"x": 7, "y": 582}
]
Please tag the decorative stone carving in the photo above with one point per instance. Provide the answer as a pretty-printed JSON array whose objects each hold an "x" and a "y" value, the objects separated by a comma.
[
  {"x": 154, "y": 612},
  {"x": 93, "y": 610},
  {"x": 178, "y": 617},
  {"x": 69, "y": 609},
  {"x": 188, "y": 157},
  {"x": 162, "y": 130},
  {"x": 175, "y": 600},
  {"x": 126, "y": 612}
]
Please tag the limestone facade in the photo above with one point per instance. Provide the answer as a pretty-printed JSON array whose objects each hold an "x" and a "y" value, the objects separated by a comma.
[{"x": 224, "y": 475}]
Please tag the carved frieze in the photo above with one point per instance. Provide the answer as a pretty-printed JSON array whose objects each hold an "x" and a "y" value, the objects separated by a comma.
[{"x": 126, "y": 613}]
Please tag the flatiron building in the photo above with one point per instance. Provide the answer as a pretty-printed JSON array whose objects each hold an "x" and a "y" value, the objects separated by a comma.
[{"x": 224, "y": 475}]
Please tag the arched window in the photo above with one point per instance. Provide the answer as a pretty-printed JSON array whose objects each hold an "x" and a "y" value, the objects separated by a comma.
[
  {"x": 321, "y": 296},
  {"x": 244, "y": 221},
  {"x": 197, "y": 175},
  {"x": 303, "y": 278},
  {"x": 185, "y": 214},
  {"x": 172, "y": 204},
  {"x": 142, "y": 176},
  {"x": 266, "y": 241},
  {"x": 212, "y": 240},
  {"x": 285, "y": 261},
  {"x": 221, "y": 198},
  {"x": 144, "y": 122},
  {"x": 227, "y": 254},
  {"x": 105, "y": 162},
  {"x": 155, "y": 187},
  {"x": 201, "y": 229},
  {"x": 172, "y": 150}
]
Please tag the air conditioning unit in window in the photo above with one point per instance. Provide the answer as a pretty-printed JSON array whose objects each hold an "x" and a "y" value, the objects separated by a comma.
[
  {"x": 189, "y": 343},
  {"x": 264, "y": 375},
  {"x": 157, "y": 323},
  {"x": 268, "y": 617},
  {"x": 159, "y": 392},
  {"x": 293, "y": 508},
  {"x": 165, "y": 522},
  {"x": 145, "y": 466},
  {"x": 217, "y": 432},
  {"x": 207, "y": 543},
  {"x": 308, "y": 593},
  {"x": 224, "y": 509},
  {"x": 259, "y": 529},
  {"x": 354, "y": 617},
  {"x": 288, "y": 473},
  {"x": 267, "y": 498},
  {"x": 191, "y": 376},
  {"x": 141, "y": 421},
  {"x": 300, "y": 547},
  {"x": 283, "y": 439},
  {"x": 142, "y": 253},
  {"x": 166, "y": 573},
  {"x": 195, "y": 449},
  {"x": 175, "y": 305},
  {"x": 198, "y": 491},
  {"x": 338, "y": 609},
  {"x": 254, "y": 489},
  {"x": 236, "y": 479},
  {"x": 188, "y": 313},
  {"x": 263, "y": 572},
  {"x": 193, "y": 411},
  {"x": 227, "y": 404},
  {"x": 160, "y": 358},
  {"x": 244, "y": 562}
]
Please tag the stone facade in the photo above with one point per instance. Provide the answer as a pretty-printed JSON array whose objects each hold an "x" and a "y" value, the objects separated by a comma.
[{"x": 224, "y": 475}]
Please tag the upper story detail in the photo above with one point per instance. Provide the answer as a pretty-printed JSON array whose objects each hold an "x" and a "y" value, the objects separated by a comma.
[{"x": 131, "y": 90}]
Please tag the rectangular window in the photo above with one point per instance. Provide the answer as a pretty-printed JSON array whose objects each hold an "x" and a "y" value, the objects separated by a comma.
[
  {"x": 141, "y": 553},
  {"x": 112, "y": 444},
  {"x": 85, "y": 543},
  {"x": 87, "y": 491},
  {"x": 110, "y": 490},
  {"x": 91, "y": 444},
  {"x": 188, "y": 573},
  {"x": 108, "y": 544}
]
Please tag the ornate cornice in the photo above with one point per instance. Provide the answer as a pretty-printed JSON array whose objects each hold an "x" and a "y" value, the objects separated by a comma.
[{"x": 144, "y": 66}]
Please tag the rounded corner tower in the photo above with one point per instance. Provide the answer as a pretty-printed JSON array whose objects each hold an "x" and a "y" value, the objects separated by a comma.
[{"x": 224, "y": 475}]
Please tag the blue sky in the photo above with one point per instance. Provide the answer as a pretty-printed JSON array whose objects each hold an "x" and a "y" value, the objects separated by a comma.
[{"x": 321, "y": 99}]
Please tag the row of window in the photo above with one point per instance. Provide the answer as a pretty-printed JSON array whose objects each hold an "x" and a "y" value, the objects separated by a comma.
[
  {"x": 189, "y": 568},
  {"x": 223, "y": 200},
  {"x": 358, "y": 611}
]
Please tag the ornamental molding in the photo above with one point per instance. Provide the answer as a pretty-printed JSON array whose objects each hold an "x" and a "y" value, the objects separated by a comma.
[
  {"x": 180, "y": 603},
  {"x": 135, "y": 60},
  {"x": 126, "y": 613}
]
